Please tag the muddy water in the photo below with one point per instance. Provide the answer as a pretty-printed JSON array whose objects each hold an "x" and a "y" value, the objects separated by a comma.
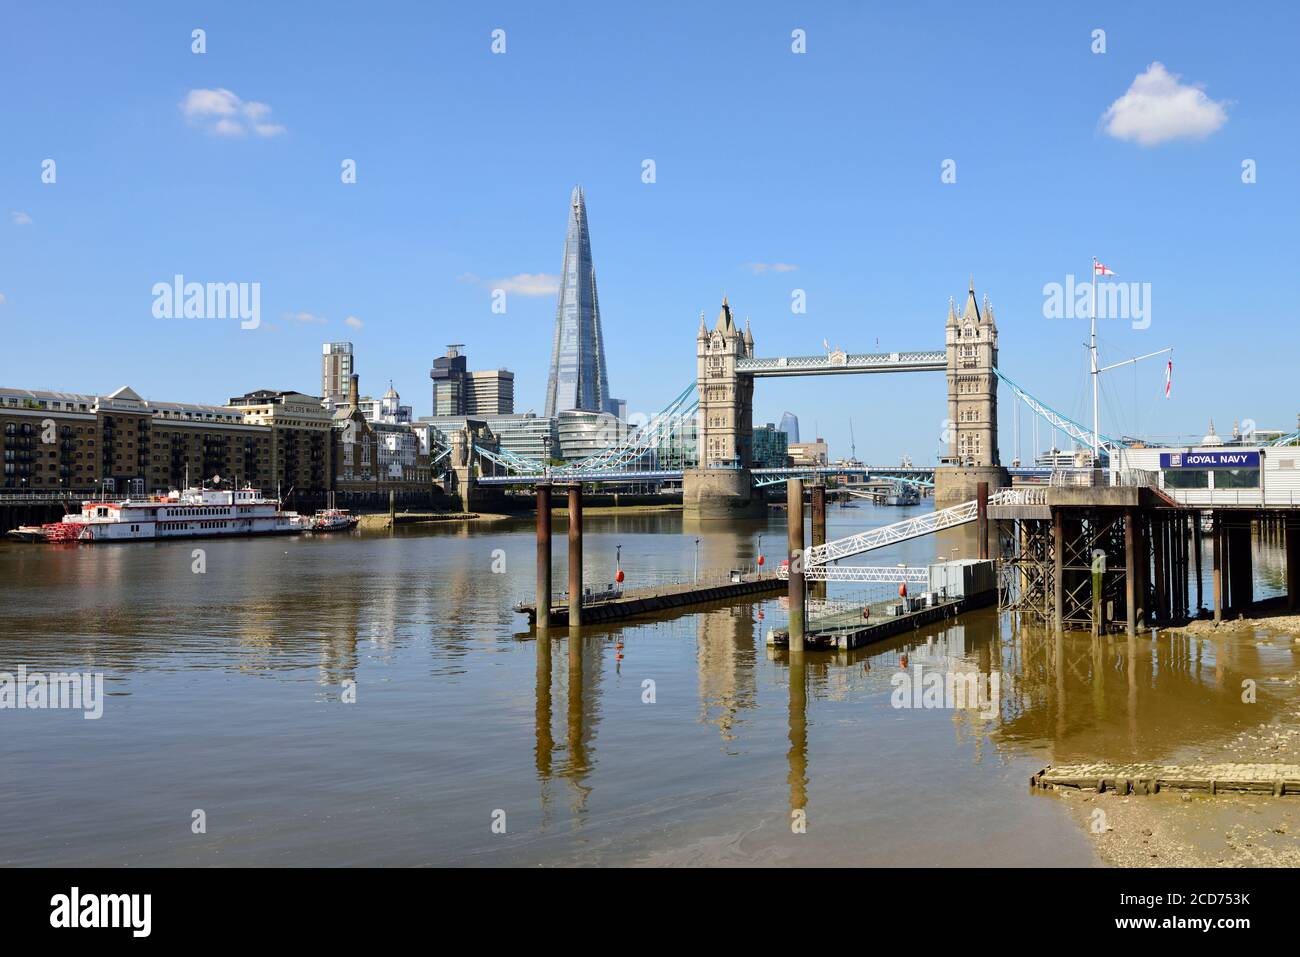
[{"x": 229, "y": 694}]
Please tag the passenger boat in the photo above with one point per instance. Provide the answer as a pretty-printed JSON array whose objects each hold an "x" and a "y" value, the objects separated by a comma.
[
  {"x": 330, "y": 520},
  {"x": 193, "y": 513}
]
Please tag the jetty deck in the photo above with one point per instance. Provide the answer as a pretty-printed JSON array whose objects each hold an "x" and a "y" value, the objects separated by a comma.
[
  {"x": 1143, "y": 779},
  {"x": 660, "y": 598},
  {"x": 850, "y": 630}
]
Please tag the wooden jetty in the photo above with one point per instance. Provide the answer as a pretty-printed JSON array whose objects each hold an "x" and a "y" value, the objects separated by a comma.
[
  {"x": 1143, "y": 779},
  {"x": 840, "y": 632},
  {"x": 648, "y": 601}
]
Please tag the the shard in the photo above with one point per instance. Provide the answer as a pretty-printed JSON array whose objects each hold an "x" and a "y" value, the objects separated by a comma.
[{"x": 578, "y": 377}]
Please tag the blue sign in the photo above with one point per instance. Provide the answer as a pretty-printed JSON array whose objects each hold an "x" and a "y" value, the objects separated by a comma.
[{"x": 1209, "y": 460}]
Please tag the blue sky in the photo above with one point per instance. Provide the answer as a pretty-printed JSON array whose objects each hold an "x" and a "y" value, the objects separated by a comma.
[{"x": 828, "y": 161}]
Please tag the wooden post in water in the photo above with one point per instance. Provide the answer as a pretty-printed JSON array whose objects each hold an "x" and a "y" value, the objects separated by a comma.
[
  {"x": 1216, "y": 543},
  {"x": 1058, "y": 571},
  {"x": 392, "y": 508},
  {"x": 1130, "y": 572},
  {"x": 794, "y": 545},
  {"x": 982, "y": 517},
  {"x": 818, "y": 529},
  {"x": 1162, "y": 583},
  {"x": 1196, "y": 560},
  {"x": 575, "y": 557},
  {"x": 543, "y": 556}
]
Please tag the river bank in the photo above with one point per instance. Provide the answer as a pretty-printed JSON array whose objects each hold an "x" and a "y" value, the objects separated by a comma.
[{"x": 1255, "y": 667}]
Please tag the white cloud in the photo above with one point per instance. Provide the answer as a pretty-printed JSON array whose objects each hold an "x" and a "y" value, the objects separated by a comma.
[
  {"x": 223, "y": 113},
  {"x": 353, "y": 322},
  {"x": 1157, "y": 108},
  {"x": 521, "y": 284},
  {"x": 759, "y": 268},
  {"x": 304, "y": 317},
  {"x": 20, "y": 218},
  {"x": 2, "y": 299}
]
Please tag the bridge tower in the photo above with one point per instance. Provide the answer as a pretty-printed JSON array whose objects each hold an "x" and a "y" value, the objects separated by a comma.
[
  {"x": 971, "y": 342},
  {"x": 721, "y": 485}
]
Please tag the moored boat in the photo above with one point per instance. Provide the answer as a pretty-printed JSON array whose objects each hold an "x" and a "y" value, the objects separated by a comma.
[{"x": 193, "y": 513}]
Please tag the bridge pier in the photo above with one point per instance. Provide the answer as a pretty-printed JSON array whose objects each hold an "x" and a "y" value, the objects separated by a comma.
[
  {"x": 956, "y": 484},
  {"x": 720, "y": 493}
]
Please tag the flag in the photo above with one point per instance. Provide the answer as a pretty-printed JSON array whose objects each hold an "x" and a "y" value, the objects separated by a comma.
[
  {"x": 1169, "y": 377},
  {"x": 1101, "y": 269}
]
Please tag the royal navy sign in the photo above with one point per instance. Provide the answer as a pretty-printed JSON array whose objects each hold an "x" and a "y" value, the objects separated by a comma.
[{"x": 1209, "y": 460}]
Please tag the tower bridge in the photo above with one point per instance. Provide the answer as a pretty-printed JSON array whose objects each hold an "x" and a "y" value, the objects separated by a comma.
[{"x": 722, "y": 483}]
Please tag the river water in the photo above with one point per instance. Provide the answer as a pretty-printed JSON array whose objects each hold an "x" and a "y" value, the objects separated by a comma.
[{"x": 469, "y": 743}]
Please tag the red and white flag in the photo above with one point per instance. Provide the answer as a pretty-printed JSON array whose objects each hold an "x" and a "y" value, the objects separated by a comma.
[
  {"x": 1101, "y": 269},
  {"x": 1169, "y": 377}
]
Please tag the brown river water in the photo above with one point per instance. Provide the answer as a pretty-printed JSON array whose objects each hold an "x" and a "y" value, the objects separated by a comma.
[{"x": 229, "y": 692}]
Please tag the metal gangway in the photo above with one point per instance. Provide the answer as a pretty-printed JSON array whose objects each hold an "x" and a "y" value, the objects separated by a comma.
[{"x": 818, "y": 557}]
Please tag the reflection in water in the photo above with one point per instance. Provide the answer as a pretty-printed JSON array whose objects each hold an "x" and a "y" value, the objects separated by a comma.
[
  {"x": 227, "y": 691},
  {"x": 798, "y": 754}
]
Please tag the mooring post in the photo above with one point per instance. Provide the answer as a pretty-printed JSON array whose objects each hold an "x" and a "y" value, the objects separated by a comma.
[
  {"x": 1196, "y": 560},
  {"x": 1058, "y": 569},
  {"x": 818, "y": 529},
  {"x": 1130, "y": 572},
  {"x": 543, "y": 555},
  {"x": 575, "y": 556},
  {"x": 1162, "y": 580},
  {"x": 982, "y": 516},
  {"x": 794, "y": 545},
  {"x": 1216, "y": 543},
  {"x": 392, "y": 507}
]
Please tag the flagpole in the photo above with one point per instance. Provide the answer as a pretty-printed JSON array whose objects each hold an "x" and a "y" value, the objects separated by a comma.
[{"x": 1092, "y": 353}]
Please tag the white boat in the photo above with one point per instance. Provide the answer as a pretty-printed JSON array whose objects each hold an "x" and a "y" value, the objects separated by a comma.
[
  {"x": 328, "y": 520},
  {"x": 193, "y": 513}
]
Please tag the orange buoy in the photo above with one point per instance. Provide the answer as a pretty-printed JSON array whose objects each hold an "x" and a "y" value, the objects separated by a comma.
[
  {"x": 760, "y": 561},
  {"x": 618, "y": 576},
  {"x": 902, "y": 589}
]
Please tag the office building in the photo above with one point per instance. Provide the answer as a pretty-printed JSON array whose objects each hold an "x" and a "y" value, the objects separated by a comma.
[
  {"x": 489, "y": 393},
  {"x": 770, "y": 448},
  {"x": 336, "y": 368},
  {"x": 578, "y": 378}
]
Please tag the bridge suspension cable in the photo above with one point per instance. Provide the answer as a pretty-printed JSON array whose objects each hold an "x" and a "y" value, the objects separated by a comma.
[{"x": 1079, "y": 433}]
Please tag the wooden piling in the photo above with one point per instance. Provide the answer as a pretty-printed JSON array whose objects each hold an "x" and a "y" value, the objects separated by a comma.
[
  {"x": 794, "y": 546},
  {"x": 982, "y": 517},
  {"x": 1058, "y": 568},
  {"x": 1130, "y": 572},
  {"x": 575, "y": 556},
  {"x": 818, "y": 530},
  {"x": 1217, "y": 544},
  {"x": 543, "y": 556},
  {"x": 1292, "y": 532}
]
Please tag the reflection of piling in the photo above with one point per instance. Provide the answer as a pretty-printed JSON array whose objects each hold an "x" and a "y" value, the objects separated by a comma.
[
  {"x": 542, "y": 714},
  {"x": 575, "y": 556},
  {"x": 1292, "y": 563},
  {"x": 543, "y": 556},
  {"x": 794, "y": 545},
  {"x": 797, "y": 757},
  {"x": 982, "y": 516},
  {"x": 818, "y": 589}
]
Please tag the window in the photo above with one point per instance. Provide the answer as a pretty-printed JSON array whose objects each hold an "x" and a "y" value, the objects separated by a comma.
[
  {"x": 1186, "y": 478},
  {"x": 1236, "y": 478}
]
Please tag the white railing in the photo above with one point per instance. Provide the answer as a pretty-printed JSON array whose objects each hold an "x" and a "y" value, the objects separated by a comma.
[
  {"x": 886, "y": 574},
  {"x": 910, "y": 528}
]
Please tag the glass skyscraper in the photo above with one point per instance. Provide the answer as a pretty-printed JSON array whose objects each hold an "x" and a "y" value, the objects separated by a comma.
[{"x": 578, "y": 378}]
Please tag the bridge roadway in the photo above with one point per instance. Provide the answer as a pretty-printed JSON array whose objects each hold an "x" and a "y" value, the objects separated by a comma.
[
  {"x": 838, "y": 363},
  {"x": 661, "y": 475}
]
